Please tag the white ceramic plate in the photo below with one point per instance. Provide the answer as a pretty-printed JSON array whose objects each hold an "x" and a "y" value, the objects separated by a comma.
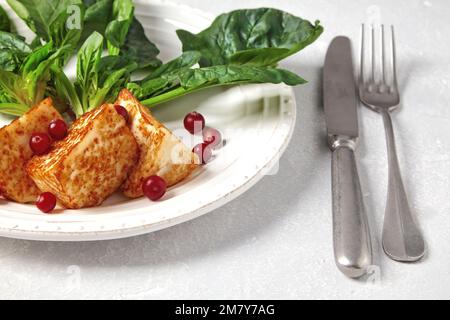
[{"x": 257, "y": 122}]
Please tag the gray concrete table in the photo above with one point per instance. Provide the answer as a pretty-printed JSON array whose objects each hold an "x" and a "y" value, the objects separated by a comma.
[{"x": 275, "y": 241}]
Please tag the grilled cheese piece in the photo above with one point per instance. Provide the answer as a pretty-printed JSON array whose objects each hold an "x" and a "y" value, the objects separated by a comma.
[
  {"x": 91, "y": 163},
  {"x": 15, "y": 152},
  {"x": 161, "y": 153}
]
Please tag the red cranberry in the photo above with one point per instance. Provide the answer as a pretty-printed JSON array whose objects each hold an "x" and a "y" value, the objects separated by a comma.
[
  {"x": 40, "y": 143},
  {"x": 123, "y": 112},
  {"x": 194, "y": 122},
  {"x": 212, "y": 137},
  {"x": 57, "y": 129},
  {"x": 154, "y": 187},
  {"x": 46, "y": 202},
  {"x": 204, "y": 152}
]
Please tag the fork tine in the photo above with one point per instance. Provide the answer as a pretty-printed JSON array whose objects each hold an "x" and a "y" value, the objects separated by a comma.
[
  {"x": 394, "y": 60},
  {"x": 383, "y": 55},
  {"x": 362, "y": 58},
  {"x": 373, "y": 59}
]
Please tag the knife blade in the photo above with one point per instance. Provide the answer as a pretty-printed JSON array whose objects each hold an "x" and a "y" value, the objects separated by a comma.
[
  {"x": 351, "y": 235},
  {"x": 340, "y": 95}
]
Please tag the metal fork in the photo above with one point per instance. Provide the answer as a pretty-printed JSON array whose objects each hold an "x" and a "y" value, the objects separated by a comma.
[{"x": 402, "y": 239}]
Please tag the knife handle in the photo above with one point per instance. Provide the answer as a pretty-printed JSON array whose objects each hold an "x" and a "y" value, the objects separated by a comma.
[{"x": 352, "y": 242}]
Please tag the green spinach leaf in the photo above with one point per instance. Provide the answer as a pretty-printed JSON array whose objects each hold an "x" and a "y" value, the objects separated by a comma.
[
  {"x": 36, "y": 43},
  {"x": 8, "y": 60},
  {"x": 124, "y": 33},
  {"x": 174, "y": 85},
  {"x": 139, "y": 48},
  {"x": 97, "y": 16},
  {"x": 20, "y": 91},
  {"x": 89, "y": 58},
  {"x": 117, "y": 30},
  {"x": 40, "y": 15},
  {"x": 99, "y": 79},
  {"x": 13, "y": 50},
  {"x": 109, "y": 89},
  {"x": 242, "y": 46},
  {"x": 230, "y": 74},
  {"x": 12, "y": 109},
  {"x": 110, "y": 64},
  {"x": 187, "y": 60},
  {"x": 35, "y": 71},
  {"x": 166, "y": 77},
  {"x": 65, "y": 90},
  {"x": 261, "y": 37},
  {"x": 5, "y": 23},
  {"x": 63, "y": 35}
]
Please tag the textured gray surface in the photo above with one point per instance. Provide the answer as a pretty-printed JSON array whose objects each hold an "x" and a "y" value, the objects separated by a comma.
[{"x": 275, "y": 241}]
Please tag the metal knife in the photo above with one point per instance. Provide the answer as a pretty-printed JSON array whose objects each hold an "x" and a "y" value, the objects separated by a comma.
[{"x": 351, "y": 235}]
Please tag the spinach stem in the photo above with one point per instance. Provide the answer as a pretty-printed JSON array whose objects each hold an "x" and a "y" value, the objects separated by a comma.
[
  {"x": 180, "y": 91},
  {"x": 165, "y": 97},
  {"x": 13, "y": 109}
]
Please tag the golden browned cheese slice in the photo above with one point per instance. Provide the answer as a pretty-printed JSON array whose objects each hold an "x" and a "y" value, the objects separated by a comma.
[
  {"x": 15, "y": 152},
  {"x": 91, "y": 163},
  {"x": 161, "y": 153}
]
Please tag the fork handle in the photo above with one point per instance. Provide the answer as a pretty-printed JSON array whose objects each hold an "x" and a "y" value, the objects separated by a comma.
[
  {"x": 352, "y": 242},
  {"x": 402, "y": 239}
]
